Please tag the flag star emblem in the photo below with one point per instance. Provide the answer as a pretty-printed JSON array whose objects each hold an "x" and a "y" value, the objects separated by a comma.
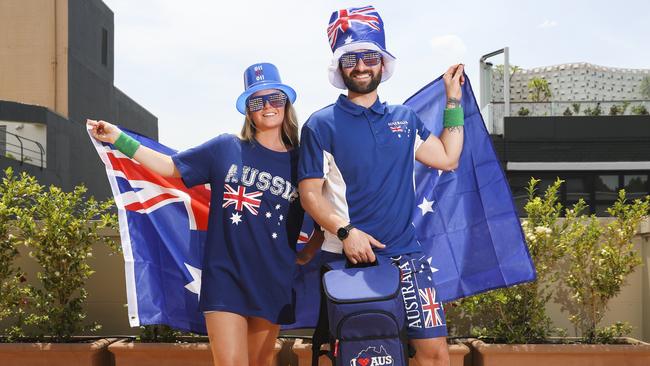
[
  {"x": 274, "y": 235},
  {"x": 426, "y": 206},
  {"x": 348, "y": 40},
  {"x": 235, "y": 218},
  {"x": 281, "y": 217},
  {"x": 277, "y": 207},
  {"x": 268, "y": 215},
  {"x": 399, "y": 135},
  {"x": 433, "y": 269},
  {"x": 195, "y": 285}
]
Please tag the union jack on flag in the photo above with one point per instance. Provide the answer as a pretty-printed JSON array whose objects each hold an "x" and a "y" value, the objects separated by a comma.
[
  {"x": 345, "y": 18},
  {"x": 430, "y": 308},
  {"x": 241, "y": 199},
  {"x": 396, "y": 129},
  {"x": 151, "y": 191}
]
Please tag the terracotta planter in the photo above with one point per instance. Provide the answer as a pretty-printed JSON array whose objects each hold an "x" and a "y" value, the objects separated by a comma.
[
  {"x": 57, "y": 354},
  {"x": 635, "y": 353},
  {"x": 459, "y": 355},
  {"x": 129, "y": 353}
]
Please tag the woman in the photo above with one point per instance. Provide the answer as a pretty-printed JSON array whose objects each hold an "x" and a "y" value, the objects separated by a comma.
[{"x": 254, "y": 221}]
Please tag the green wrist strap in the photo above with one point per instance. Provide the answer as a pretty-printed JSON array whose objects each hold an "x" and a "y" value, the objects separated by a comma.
[
  {"x": 127, "y": 145},
  {"x": 454, "y": 117}
]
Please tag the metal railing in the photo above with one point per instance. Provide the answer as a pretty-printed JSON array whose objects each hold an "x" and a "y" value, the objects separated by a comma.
[
  {"x": 494, "y": 112},
  {"x": 25, "y": 150}
]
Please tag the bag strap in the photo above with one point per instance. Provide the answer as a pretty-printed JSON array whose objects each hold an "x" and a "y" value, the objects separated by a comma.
[{"x": 321, "y": 332}]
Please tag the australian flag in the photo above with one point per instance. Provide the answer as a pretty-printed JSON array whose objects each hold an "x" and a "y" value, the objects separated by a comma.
[
  {"x": 465, "y": 221},
  {"x": 163, "y": 230}
]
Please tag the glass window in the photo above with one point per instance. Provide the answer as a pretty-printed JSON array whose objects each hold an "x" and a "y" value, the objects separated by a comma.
[
  {"x": 576, "y": 188},
  {"x": 518, "y": 185},
  {"x": 636, "y": 186},
  {"x": 606, "y": 189}
]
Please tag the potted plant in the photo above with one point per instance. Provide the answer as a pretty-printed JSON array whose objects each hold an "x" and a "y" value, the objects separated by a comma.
[
  {"x": 575, "y": 254},
  {"x": 58, "y": 229},
  {"x": 160, "y": 344}
]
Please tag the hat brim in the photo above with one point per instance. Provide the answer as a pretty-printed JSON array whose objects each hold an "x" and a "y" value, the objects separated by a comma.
[
  {"x": 241, "y": 101},
  {"x": 335, "y": 74}
]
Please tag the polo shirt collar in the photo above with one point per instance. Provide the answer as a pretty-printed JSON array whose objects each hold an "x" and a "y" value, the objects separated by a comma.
[{"x": 344, "y": 103}]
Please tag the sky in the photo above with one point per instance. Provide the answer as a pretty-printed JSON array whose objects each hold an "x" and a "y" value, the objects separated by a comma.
[{"x": 184, "y": 60}]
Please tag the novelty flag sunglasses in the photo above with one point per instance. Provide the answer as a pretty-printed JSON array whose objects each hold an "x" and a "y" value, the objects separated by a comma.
[
  {"x": 370, "y": 58},
  {"x": 276, "y": 100}
]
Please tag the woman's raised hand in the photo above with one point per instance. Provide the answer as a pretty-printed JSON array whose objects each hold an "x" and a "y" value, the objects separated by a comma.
[{"x": 103, "y": 131}]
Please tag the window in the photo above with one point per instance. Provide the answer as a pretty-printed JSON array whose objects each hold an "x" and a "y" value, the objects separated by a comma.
[
  {"x": 576, "y": 188},
  {"x": 606, "y": 190},
  {"x": 104, "y": 47},
  {"x": 636, "y": 186},
  {"x": 599, "y": 191}
]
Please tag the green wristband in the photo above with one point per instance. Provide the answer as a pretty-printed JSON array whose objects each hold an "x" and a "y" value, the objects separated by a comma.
[
  {"x": 127, "y": 145},
  {"x": 454, "y": 117}
]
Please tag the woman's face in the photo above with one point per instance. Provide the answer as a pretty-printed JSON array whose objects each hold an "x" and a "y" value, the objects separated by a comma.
[{"x": 268, "y": 117}]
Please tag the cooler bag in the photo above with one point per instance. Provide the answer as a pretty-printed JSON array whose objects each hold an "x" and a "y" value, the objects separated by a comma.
[{"x": 366, "y": 316}]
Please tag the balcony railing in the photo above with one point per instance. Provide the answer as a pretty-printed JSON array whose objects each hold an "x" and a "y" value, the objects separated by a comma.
[
  {"x": 493, "y": 112},
  {"x": 23, "y": 149}
]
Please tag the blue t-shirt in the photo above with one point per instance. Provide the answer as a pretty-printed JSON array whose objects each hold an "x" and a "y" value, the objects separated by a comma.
[
  {"x": 366, "y": 156},
  {"x": 254, "y": 222}
]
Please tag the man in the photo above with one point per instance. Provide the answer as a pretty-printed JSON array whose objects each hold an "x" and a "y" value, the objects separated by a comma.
[{"x": 356, "y": 169}]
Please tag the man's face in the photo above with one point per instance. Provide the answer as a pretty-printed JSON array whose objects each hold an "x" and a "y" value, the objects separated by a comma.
[{"x": 361, "y": 78}]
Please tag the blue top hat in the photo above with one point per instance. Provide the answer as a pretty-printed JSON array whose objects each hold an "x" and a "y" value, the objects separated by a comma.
[
  {"x": 262, "y": 76},
  {"x": 355, "y": 29}
]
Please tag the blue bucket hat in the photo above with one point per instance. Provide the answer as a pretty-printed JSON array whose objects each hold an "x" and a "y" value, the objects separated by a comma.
[
  {"x": 355, "y": 29},
  {"x": 262, "y": 76}
]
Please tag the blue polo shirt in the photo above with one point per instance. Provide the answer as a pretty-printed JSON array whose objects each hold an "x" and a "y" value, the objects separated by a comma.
[{"x": 366, "y": 157}]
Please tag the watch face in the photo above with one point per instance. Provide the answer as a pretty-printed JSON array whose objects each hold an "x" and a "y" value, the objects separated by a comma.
[{"x": 342, "y": 233}]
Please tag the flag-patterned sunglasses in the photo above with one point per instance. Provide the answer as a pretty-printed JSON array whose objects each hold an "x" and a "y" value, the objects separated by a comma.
[
  {"x": 370, "y": 58},
  {"x": 276, "y": 100}
]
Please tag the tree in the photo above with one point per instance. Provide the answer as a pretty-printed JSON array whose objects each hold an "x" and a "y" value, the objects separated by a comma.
[
  {"x": 513, "y": 70},
  {"x": 576, "y": 108},
  {"x": 59, "y": 232},
  {"x": 16, "y": 199},
  {"x": 640, "y": 110},
  {"x": 600, "y": 259},
  {"x": 539, "y": 90},
  {"x": 644, "y": 88}
]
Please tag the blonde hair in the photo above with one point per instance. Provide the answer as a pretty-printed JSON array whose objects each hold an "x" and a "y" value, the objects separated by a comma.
[{"x": 289, "y": 127}]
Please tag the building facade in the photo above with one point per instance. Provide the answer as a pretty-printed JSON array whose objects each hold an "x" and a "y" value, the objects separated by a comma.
[
  {"x": 57, "y": 70},
  {"x": 575, "y": 82}
]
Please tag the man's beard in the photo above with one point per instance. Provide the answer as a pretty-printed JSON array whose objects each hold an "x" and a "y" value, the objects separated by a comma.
[{"x": 354, "y": 85}]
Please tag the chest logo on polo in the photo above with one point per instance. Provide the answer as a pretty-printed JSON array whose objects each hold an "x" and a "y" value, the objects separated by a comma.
[{"x": 400, "y": 128}]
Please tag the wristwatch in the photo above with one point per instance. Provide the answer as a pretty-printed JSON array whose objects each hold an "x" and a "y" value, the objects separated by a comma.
[{"x": 344, "y": 231}]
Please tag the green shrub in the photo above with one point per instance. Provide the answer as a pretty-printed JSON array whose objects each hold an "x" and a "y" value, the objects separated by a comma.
[
  {"x": 523, "y": 112},
  {"x": 600, "y": 259},
  {"x": 59, "y": 233},
  {"x": 16, "y": 193},
  {"x": 574, "y": 256},
  {"x": 640, "y": 110}
]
